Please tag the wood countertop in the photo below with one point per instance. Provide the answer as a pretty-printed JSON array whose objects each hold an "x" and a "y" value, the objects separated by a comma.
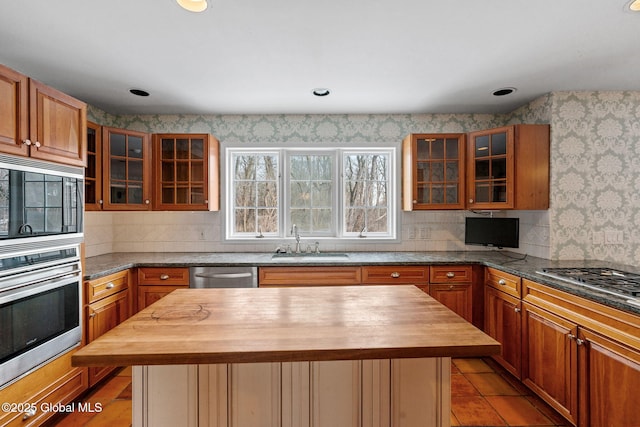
[{"x": 202, "y": 326}]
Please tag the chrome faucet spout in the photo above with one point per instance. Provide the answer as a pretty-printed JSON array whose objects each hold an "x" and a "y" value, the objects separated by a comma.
[{"x": 294, "y": 232}]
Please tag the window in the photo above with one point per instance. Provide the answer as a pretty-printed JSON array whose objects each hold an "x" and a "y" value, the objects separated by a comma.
[{"x": 332, "y": 193}]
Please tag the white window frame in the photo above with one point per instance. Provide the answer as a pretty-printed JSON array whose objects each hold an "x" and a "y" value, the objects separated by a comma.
[{"x": 284, "y": 226}]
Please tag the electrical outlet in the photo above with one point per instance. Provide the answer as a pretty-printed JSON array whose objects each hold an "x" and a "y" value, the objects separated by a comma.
[{"x": 613, "y": 237}]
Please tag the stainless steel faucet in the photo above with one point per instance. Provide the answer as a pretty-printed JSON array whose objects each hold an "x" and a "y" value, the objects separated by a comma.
[{"x": 294, "y": 232}]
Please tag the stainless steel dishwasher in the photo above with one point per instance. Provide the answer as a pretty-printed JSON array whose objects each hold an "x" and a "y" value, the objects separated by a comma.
[{"x": 223, "y": 277}]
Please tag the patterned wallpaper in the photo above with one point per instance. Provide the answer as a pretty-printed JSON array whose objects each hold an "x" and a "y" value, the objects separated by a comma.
[{"x": 594, "y": 173}]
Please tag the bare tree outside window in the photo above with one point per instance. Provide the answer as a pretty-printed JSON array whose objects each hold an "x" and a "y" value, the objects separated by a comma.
[
  {"x": 365, "y": 199},
  {"x": 311, "y": 193},
  {"x": 327, "y": 193},
  {"x": 255, "y": 193}
]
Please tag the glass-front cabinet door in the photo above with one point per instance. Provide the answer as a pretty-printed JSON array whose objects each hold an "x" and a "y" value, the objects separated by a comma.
[
  {"x": 491, "y": 169},
  {"x": 185, "y": 172},
  {"x": 433, "y": 171},
  {"x": 126, "y": 169}
]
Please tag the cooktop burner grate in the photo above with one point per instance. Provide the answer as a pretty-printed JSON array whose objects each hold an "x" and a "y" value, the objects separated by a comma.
[{"x": 616, "y": 282}]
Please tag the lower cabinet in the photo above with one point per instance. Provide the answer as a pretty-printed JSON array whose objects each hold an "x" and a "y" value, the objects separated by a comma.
[
  {"x": 362, "y": 393},
  {"x": 503, "y": 323},
  {"x": 156, "y": 282},
  {"x": 581, "y": 357},
  {"x": 108, "y": 304},
  {"x": 56, "y": 383},
  {"x": 550, "y": 359},
  {"x": 451, "y": 286}
]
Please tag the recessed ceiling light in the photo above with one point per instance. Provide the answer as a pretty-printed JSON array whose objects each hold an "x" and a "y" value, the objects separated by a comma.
[
  {"x": 504, "y": 91},
  {"x": 139, "y": 92},
  {"x": 321, "y": 91},
  {"x": 193, "y": 5},
  {"x": 635, "y": 6}
]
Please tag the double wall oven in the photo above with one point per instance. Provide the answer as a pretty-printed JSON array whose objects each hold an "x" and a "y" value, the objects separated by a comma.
[{"x": 41, "y": 228}]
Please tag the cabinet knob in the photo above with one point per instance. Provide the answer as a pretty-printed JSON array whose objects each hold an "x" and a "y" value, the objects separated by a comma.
[
  {"x": 110, "y": 285},
  {"x": 395, "y": 274},
  {"x": 502, "y": 282},
  {"x": 450, "y": 287},
  {"x": 27, "y": 142},
  {"x": 470, "y": 200},
  {"x": 100, "y": 201},
  {"x": 451, "y": 275},
  {"x": 164, "y": 276},
  {"x": 580, "y": 342},
  {"x": 92, "y": 315},
  {"x": 147, "y": 201},
  {"x": 517, "y": 309},
  {"x": 30, "y": 413},
  {"x": 571, "y": 336},
  {"x": 415, "y": 201},
  {"x": 37, "y": 144}
]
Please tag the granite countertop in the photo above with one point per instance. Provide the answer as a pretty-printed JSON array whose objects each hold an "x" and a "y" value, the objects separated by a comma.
[
  {"x": 517, "y": 264},
  {"x": 201, "y": 326}
]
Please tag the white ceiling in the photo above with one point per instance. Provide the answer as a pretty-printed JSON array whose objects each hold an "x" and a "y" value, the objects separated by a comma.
[{"x": 266, "y": 56}]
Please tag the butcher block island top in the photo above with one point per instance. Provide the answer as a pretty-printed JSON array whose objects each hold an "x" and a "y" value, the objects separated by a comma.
[{"x": 210, "y": 326}]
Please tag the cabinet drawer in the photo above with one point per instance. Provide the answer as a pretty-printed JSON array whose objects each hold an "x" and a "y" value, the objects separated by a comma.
[
  {"x": 389, "y": 274},
  {"x": 504, "y": 282},
  {"x": 308, "y": 276},
  {"x": 105, "y": 286},
  {"x": 450, "y": 274},
  {"x": 163, "y": 276}
]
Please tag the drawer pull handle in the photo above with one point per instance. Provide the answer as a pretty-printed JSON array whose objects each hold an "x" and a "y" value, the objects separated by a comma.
[
  {"x": 164, "y": 276},
  {"x": 395, "y": 274},
  {"x": 30, "y": 413},
  {"x": 451, "y": 275},
  {"x": 110, "y": 285},
  {"x": 502, "y": 282}
]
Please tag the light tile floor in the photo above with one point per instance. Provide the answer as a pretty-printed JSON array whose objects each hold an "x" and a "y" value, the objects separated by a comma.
[{"x": 482, "y": 394}]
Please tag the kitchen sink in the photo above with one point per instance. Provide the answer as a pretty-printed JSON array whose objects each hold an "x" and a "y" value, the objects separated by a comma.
[{"x": 326, "y": 256}]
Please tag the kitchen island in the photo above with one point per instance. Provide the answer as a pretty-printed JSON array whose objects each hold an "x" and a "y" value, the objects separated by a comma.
[{"x": 360, "y": 355}]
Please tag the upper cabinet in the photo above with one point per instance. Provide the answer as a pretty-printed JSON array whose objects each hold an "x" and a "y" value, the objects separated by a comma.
[
  {"x": 508, "y": 168},
  {"x": 433, "y": 171},
  {"x": 93, "y": 172},
  {"x": 185, "y": 170},
  {"x": 126, "y": 169},
  {"x": 39, "y": 121}
]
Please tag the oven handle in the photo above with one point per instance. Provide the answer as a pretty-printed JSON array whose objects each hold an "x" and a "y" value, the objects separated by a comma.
[{"x": 50, "y": 283}]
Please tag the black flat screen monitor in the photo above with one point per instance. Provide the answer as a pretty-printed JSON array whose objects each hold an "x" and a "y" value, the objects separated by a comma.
[{"x": 496, "y": 232}]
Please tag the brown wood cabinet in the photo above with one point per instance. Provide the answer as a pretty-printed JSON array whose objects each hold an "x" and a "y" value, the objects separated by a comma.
[
  {"x": 503, "y": 317},
  {"x": 186, "y": 173},
  {"x": 157, "y": 282},
  {"x": 433, "y": 171},
  {"x": 308, "y": 276},
  {"x": 451, "y": 286},
  {"x": 39, "y": 121},
  {"x": 54, "y": 383},
  {"x": 126, "y": 167},
  {"x": 583, "y": 357},
  {"x": 93, "y": 172},
  {"x": 508, "y": 168},
  {"x": 108, "y": 303}
]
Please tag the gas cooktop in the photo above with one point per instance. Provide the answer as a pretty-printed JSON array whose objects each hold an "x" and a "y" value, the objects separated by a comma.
[{"x": 615, "y": 282}]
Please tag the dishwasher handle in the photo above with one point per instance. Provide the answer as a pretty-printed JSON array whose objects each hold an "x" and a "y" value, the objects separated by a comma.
[{"x": 223, "y": 275}]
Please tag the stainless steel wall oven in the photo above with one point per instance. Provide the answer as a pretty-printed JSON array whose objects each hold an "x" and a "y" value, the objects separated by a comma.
[{"x": 41, "y": 219}]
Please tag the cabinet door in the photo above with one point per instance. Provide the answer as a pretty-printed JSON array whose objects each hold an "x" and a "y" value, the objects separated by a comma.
[
  {"x": 611, "y": 374},
  {"x": 14, "y": 119},
  {"x": 550, "y": 360},
  {"x": 491, "y": 169},
  {"x": 433, "y": 171},
  {"x": 456, "y": 297},
  {"x": 126, "y": 169},
  {"x": 102, "y": 316},
  {"x": 93, "y": 172},
  {"x": 183, "y": 178},
  {"x": 149, "y": 294},
  {"x": 502, "y": 323},
  {"x": 58, "y": 125}
]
